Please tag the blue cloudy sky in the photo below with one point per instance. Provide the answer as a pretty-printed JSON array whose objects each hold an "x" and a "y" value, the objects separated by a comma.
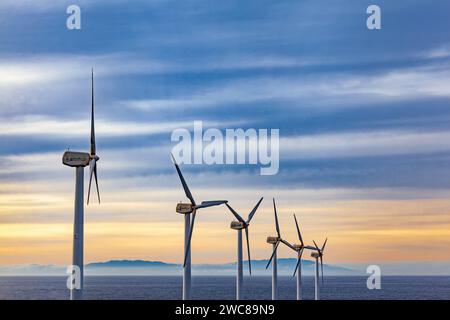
[{"x": 363, "y": 118}]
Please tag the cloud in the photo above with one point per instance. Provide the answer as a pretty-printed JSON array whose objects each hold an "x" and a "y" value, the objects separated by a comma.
[
  {"x": 29, "y": 80},
  {"x": 442, "y": 51},
  {"x": 47, "y": 5},
  {"x": 45, "y": 69},
  {"x": 63, "y": 128},
  {"x": 364, "y": 144},
  {"x": 43, "y": 83},
  {"x": 317, "y": 90},
  {"x": 41, "y": 69}
]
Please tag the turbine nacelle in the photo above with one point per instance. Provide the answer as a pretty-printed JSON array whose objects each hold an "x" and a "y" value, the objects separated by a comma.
[
  {"x": 76, "y": 159},
  {"x": 298, "y": 247},
  {"x": 238, "y": 225},
  {"x": 185, "y": 208},
  {"x": 273, "y": 240}
]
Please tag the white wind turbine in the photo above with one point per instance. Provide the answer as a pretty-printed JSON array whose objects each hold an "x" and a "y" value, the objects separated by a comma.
[
  {"x": 318, "y": 254},
  {"x": 298, "y": 248},
  {"x": 79, "y": 160},
  {"x": 239, "y": 225},
  {"x": 275, "y": 242},
  {"x": 187, "y": 209}
]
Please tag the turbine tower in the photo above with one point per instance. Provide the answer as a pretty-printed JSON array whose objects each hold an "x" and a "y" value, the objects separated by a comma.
[
  {"x": 299, "y": 248},
  {"x": 275, "y": 242},
  {"x": 239, "y": 225},
  {"x": 187, "y": 209},
  {"x": 318, "y": 254},
  {"x": 80, "y": 160}
]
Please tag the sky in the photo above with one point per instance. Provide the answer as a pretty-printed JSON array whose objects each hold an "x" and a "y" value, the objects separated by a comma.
[{"x": 363, "y": 118}]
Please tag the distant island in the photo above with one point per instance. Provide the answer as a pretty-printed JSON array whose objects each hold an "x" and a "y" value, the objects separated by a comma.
[{"x": 144, "y": 267}]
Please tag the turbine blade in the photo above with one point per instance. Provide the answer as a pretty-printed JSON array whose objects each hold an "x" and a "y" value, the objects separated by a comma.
[
  {"x": 324, "y": 244},
  {"x": 96, "y": 182},
  {"x": 317, "y": 247},
  {"x": 276, "y": 219},
  {"x": 248, "y": 251},
  {"x": 188, "y": 248},
  {"x": 93, "y": 148},
  {"x": 296, "y": 267},
  {"x": 273, "y": 254},
  {"x": 298, "y": 231},
  {"x": 237, "y": 216},
  {"x": 252, "y": 213},
  {"x": 206, "y": 204},
  {"x": 288, "y": 244},
  {"x": 91, "y": 172},
  {"x": 183, "y": 182}
]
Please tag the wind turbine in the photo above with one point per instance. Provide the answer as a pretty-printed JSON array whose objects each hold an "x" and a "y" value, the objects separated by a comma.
[
  {"x": 275, "y": 242},
  {"x": 187, "y": 209},
  {"x": 80, "y": 160},
  {"x": 298, "y": 268},
  {"x": 318, "y": 254},
  {"x": 239, "y": 225}
]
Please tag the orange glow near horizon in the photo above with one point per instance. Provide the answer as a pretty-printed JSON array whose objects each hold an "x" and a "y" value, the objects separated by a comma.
[{"x": 39, "y": 229}]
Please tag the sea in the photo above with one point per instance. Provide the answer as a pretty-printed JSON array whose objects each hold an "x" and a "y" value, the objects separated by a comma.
[{"x": 223, "y": 288}]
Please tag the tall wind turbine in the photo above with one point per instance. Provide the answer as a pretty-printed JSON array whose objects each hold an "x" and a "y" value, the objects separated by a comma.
[
  {"x": 275, "y": 242},
  {"x": 239, "y": 225},
  {"x": 318, "y": 254},
  {"x": 298, "y": 248},
  {"x": 80, "y": 160},
  {"x": 187, "y": 209}
]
